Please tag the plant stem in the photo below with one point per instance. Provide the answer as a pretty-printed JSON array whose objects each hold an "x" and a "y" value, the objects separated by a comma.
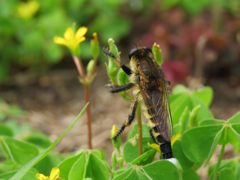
[
  {"x": 219, "y": 161},
  {"x": 89, "y": 114},
  {"x": 139, "y": 121},
  {"x": 82, "y": 75},
  {"x": 79, "y": 66}
]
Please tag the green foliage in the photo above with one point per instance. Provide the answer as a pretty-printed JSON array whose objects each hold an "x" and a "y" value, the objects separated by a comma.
[
  {"x": 149, "y": 171},
  {"x": 196, "y": 7},
  {"x": 86, "y": 164},
  {"x": 28, "y": 27},
  {"x": 22, "y": 159}
]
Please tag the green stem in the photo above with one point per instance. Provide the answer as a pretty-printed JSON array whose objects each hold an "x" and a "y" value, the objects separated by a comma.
[
  {"x": 219, "y": 161},
  {"x": 139, "y": 121},
  {"x": 89, "y": 114}
]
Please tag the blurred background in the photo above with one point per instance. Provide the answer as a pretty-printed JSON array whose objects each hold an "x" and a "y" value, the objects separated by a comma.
[{"x": 200, "y": 41}]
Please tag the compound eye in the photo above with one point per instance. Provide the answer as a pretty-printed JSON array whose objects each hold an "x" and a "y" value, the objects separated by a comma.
[
  {"x": 132, "y": 52},
  {"x": 147, "y": 49}
]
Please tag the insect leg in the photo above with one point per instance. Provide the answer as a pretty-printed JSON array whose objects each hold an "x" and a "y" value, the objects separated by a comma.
[
  {"x": 166, "y": 150},
  {"x": 129, "y": 120},
  {"x": 152, "y": 136},
  {"x": 115, "y": 89},
  {"x": 126, "y": 69},
  {"x": 108, "y": 53}
]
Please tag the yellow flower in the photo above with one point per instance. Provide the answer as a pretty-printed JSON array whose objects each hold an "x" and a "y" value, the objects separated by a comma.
[
  {"x": 54, "y": 175},
  {"x": 26, "y": 10},
  {"x": 71, "y": 38}
]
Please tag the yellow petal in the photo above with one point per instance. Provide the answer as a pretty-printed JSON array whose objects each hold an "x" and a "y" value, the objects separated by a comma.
[
  {"x": 81, "y": 39},
  {"x": 59, "y": 40},
  {"x": 41, "y": 177},
  {"x": 81, "y": 32},
  {"x": 54, "y": 175},
  {"x": 69, "y": 34}
]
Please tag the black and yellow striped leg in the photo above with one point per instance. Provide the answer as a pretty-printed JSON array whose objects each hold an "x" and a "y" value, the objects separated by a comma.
[
  {"x": 116, "y": 89},
  {"x": 126, "y": 69},
  {"x": 152, "y": 136},
  {"x": 129, "y": 120}
]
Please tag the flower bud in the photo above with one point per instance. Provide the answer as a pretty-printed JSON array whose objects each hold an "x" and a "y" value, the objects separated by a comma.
[
  {"x": 116, "y": 142},
  {"x": 91, "y": 66},
  {"x": 95, "y": 46},
  {"x": 112, "y": 47},
  {"x": 157, "y": 53}
]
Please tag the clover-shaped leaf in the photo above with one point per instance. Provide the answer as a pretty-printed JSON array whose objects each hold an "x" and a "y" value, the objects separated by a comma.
[
  {"x": 161, "y": 169},
  {"x": 199, "y": 143}
]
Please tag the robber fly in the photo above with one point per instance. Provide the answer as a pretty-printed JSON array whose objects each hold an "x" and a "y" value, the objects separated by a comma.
[{"x": 147, "y": 77}]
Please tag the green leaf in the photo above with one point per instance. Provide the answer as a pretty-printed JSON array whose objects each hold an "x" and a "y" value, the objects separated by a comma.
[
  {"x": 66, "y": 165},
  {"x": 46, "y": 164},
  {"x": 24, "y": 169},
  {"x": 235, "y": 118},
  {"x": 28, "y": 176},
  {"x": 135, "y": 172},
  {"x": 184, "y": 120},
  {"x": 7, "y": 166},
  {"x": 227, "y": 170},
  {"x": 79, "y": 168},
  {"x": 203, "y": 113},
  {"x": 134, "y": 131},
  {"x": 205, "y": 94},
  {"x": 178, "y": 153},
  {"x": 18, "y": 151},
  {"x": 130, "y": 150},
  {"x": 190, "y": 174},
  {"x": 97, "y": 168},
  {"x": 193, "y": 140},
  {"x": 38, "y": 139},
  {"x": 216, "y": 141},
  {"x": 178, "y": 105},
  {"x": 234, "y": 136},
  {"x": 145, "y": 158},
  {"x": 162, "y": 169},
  {"x": 5, "y": 130},
  {"x": 89, "y": 165},
  {"x": 178, "y": 89},
  {"x": 192, "y": 119},
  {"x": 211, "y": 122}
]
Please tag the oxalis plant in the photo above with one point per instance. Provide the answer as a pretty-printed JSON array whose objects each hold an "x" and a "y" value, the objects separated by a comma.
[
  {"x": 72, "y": 39},
  {"x": 199, "y": 141}
]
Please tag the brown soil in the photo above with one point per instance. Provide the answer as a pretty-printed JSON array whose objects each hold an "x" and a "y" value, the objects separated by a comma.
[{"x": 52, "y": 101}]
